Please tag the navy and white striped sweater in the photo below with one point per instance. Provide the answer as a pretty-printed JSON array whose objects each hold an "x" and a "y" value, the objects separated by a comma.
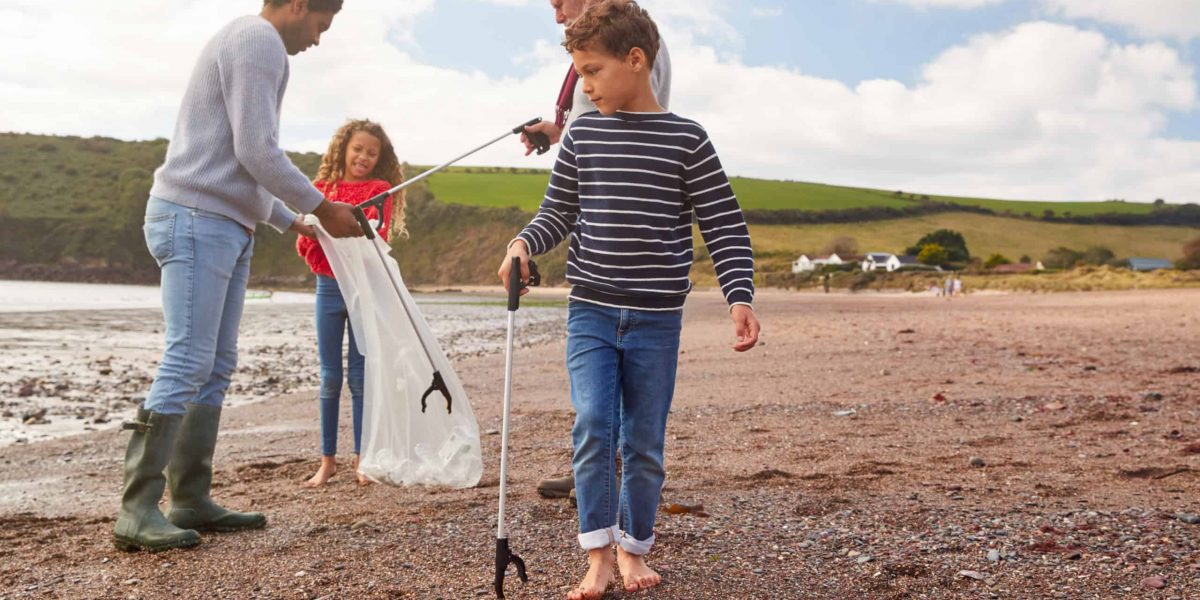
[{"x": 624, "y": 189}]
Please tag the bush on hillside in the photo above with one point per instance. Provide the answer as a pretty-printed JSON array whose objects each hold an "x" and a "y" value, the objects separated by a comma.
[
  {"x": 996, "y": 260},
  {"x": 1191, "y": 255},
  {"x": 952, "y": 242},
  {"x": 1097, "y": 255},
  {"x": 1062, "y": 258},
  {"x": 933, "y": 255}
]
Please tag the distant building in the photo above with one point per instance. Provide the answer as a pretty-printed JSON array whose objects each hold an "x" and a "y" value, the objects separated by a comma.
[
  {"x": 1149, "y": 264},
  {"x": 804, "y": 263},
  {"x": 880, "y": 261}
]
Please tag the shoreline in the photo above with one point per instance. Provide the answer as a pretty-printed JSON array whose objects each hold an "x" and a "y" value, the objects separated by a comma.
[{"x": 69, "y": 372}]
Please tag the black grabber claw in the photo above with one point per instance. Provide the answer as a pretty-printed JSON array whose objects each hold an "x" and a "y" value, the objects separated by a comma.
[
  {"x": 504, "y": 557},
  {"x": 438, "y": 385}
]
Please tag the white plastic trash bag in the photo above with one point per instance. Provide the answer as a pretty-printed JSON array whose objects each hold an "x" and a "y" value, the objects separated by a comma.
[{"x": 400, "y": 444}]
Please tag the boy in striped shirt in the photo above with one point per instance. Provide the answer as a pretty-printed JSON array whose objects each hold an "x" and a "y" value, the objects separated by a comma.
[{"x": 628, "y": 179}]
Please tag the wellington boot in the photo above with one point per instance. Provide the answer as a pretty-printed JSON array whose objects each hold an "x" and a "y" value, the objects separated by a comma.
[
  {"x": 189, "y": 476},
  {"x": 140, "y": 525}
]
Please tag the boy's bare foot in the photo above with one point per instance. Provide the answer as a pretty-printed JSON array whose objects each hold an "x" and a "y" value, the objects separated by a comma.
[
  {"x": 327, "y": 470},
  {"x": 636, "y": 573},
  {"x": 363, "y": 480},
  {"x": 598, "y": 578}
]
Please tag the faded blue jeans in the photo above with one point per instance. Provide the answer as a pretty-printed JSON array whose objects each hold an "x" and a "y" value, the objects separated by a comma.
[
  {"x": 332, "y": 321},
  {"x": 621, "y": 364},
  {"x": 204, "y": 260}
]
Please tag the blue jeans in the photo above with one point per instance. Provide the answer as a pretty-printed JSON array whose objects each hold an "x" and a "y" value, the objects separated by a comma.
[
  {"x": 204, "y": 259},
  {"x": 332, "y": 321},
  {"x": 621, "y": 363}
]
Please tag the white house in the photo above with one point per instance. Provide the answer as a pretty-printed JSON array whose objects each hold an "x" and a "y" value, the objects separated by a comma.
[
  {"x": 880, "y": 261},
  {"x": 884, "y": 261},
  {"x": 804, "y": 263}
]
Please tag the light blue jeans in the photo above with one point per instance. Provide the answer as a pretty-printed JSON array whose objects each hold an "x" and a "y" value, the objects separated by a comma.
[
  {"x": 621, "y": 364},
  {"x": 205, "y": 263},
  {"x": 332, "y": 323}
]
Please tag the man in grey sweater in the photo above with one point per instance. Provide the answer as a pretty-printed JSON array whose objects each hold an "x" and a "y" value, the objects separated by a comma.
[{"x": 224, "y": 173}]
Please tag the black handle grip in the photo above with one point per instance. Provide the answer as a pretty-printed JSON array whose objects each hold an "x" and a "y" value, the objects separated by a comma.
[
  {"x": 539, "y": 140},
  {"x": 514, "y": 282},
  {"x": 377, "y": 202},
  {"x": 530, "y": 123},
  {"x": 364, "y": 223}
]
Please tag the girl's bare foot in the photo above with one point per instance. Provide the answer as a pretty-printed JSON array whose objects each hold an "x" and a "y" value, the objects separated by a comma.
[
  {"x": 362, "y": 479},
  {"x": 328, "y": 469},
  {"x": 636, "y": 573},
  {"x": 598, "y": 578}
]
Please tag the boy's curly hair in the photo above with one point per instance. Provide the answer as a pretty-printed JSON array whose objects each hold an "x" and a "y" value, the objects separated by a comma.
[
  {"x": 614, "y": 26},
  {"x": 333, "y": 6},
  {"x": 388, "y": 168}
]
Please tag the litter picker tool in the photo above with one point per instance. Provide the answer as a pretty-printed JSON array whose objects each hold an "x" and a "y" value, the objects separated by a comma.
[
  {"x": 540, "y": 140},
  {"x": 504, "y": 556}
]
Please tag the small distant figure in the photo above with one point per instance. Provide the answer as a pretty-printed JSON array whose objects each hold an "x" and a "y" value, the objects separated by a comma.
[
  {"x": 948, "y": 287},
  {"x": 958, "y": 286},
  {"x": 825, "y": 282}
]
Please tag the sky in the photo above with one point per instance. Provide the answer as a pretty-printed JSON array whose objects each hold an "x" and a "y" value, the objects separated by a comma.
[{"x": 1030, "y": 99}]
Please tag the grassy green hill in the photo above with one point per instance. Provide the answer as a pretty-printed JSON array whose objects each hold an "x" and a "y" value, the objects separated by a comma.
[
  {"x": 985, "y": 235},
  {"x": 71, "y": 205},
  {"x": 524, "y": 188}
]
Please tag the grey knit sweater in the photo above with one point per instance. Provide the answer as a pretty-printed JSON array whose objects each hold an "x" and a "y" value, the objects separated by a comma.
[{"x": 225, "y": 156}]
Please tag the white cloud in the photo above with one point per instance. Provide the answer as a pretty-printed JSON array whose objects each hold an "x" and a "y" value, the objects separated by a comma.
[
  {"x": 944, "y": 3},
  {"x": 1148, "y": 18},
  {"x": 1040, "y": 111},
  {"x": 766, "y": 12}
]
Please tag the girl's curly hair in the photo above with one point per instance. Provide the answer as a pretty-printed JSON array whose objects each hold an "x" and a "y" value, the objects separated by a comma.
[{"x": 389, "y": 169}]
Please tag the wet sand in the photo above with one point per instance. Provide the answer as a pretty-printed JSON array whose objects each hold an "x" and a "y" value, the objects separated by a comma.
[
  {"x": 876, "y": 446},
  {"x": 64, "y": 372}
]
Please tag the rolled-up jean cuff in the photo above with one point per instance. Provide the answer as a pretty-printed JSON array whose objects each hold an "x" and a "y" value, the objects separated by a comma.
[
  {"x": 632, "y": 546},
  {"x": 600, "y": 538}
]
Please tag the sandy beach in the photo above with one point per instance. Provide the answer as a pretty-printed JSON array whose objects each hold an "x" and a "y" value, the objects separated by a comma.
[{"x": 875, "y": 446}]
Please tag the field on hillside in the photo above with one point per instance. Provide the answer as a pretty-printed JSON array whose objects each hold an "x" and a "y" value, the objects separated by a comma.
[
  {"x": 524, "y": 188},
  {"x": 984, "y": 235}
]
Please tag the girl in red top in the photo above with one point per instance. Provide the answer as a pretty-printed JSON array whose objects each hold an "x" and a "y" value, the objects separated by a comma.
[{"x": 359, "y": 165}]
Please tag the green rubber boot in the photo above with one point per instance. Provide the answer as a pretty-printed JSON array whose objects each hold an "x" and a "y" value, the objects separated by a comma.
[
  {"x": 190, "y": 477},
  {"x": 140, "y": 525}
]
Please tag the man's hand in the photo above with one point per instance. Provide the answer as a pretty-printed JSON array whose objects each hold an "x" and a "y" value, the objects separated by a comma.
[
  {"x": 552, "y": 131},
  {"x": 519, "y": 250},
  {"x": 300, "y": 227},
  {"x": 338, "y": 219},
  {"x": 745, "y": 325}
]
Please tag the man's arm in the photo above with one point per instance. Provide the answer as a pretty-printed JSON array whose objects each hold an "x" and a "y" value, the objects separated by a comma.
[
  {"x": 252, "y": 70},
  {"x": 660, "y": 76}
]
